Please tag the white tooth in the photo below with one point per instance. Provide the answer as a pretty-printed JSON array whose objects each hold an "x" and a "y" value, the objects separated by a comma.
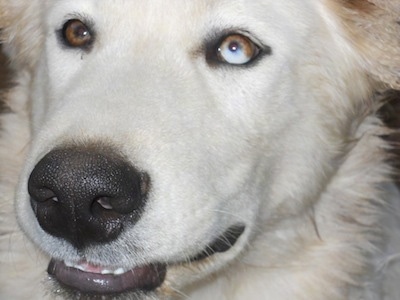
[
  {"x": 69, "y": 264},
  {"x": 79, "y": 267},
  {"x": 119, "y": 271},
  {"x": 104, "y": 272}
]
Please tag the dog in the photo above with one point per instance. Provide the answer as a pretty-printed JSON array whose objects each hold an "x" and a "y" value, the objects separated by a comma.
[{"x": 204, "y": 149}]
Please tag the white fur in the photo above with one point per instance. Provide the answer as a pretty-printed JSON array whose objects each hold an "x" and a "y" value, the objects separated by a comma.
[{"x": 289, "y": 147}]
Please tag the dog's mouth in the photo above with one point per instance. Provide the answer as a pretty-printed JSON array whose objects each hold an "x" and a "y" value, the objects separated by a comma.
[{"x": 91, "y": 279}]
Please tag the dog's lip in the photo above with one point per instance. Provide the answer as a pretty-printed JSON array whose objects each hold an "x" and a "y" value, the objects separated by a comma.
[
  {"x": 223, "y": 243},
  {"x": 92, "y": 279}
]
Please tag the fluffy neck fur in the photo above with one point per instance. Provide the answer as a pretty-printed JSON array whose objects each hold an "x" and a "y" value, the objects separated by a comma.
[{"x": 331, "y": 252}]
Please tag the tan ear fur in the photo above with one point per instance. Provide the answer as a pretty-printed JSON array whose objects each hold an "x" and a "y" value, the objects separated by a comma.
[
  {"x": 21, "y": 32},
  {"x": 373, "y": 28},
  {"x": 4, "y": 14}
]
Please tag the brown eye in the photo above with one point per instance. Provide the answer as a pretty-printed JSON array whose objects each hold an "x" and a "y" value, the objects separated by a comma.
[{"x": 76, "y": 34}]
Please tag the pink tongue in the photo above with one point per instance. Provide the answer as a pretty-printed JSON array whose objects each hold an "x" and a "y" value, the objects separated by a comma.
[{"x": 92, "y": 282}]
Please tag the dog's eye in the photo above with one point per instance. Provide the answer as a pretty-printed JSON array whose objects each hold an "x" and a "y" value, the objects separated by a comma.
[
  {"x": 237, "y": 49},
  {"x": 76, "y": 34}
]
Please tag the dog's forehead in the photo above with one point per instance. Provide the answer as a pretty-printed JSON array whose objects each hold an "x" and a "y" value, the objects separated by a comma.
[
  {"x": 162, "y": 15},
  {"x": 139, "y": 12}
]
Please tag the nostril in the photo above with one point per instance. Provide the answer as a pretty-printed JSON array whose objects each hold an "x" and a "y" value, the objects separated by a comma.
[
  {"x": 105, "y": 203},
  {"x": 42, "y": 194},
  {"x": 102, "y": 208}
]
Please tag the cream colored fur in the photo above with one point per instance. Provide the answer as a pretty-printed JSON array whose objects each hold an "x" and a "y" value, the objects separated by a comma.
[{"x": 298, "y": 133}]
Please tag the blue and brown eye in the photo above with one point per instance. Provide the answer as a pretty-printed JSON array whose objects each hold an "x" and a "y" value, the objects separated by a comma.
[
  {"x": 235, "y": 49},
  {"x": 76, "y": 34}
]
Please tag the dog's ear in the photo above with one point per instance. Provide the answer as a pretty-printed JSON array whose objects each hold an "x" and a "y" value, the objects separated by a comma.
[
  {"x": 4, "y": 22},
  {"x": 20, "y": 31},
  {"x": 5, "y": 17},
  {"x": 374, "y": 32}
]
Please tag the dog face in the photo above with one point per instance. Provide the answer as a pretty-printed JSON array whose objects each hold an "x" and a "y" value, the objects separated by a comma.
[{"x": 164, "y": 133}]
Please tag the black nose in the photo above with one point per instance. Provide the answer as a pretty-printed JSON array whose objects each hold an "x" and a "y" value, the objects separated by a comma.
[{"x": 86, "y": 195}]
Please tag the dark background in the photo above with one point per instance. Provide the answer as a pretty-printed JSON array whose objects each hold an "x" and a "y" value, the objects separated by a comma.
[{"x": 3, "y": 72}]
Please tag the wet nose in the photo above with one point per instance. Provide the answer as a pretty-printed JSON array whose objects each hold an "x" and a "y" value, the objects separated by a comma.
[{"x": 86, "y": 195}]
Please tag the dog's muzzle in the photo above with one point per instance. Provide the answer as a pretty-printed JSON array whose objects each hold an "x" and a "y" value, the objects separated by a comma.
[{"x": 87, "y": 196}]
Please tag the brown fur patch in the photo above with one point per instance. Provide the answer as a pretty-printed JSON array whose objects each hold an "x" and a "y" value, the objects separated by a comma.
[{"x": 359, "y": 5}]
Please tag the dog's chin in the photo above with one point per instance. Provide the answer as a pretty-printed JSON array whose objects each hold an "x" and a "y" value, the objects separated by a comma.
[{"x": 90, "y": 281}]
